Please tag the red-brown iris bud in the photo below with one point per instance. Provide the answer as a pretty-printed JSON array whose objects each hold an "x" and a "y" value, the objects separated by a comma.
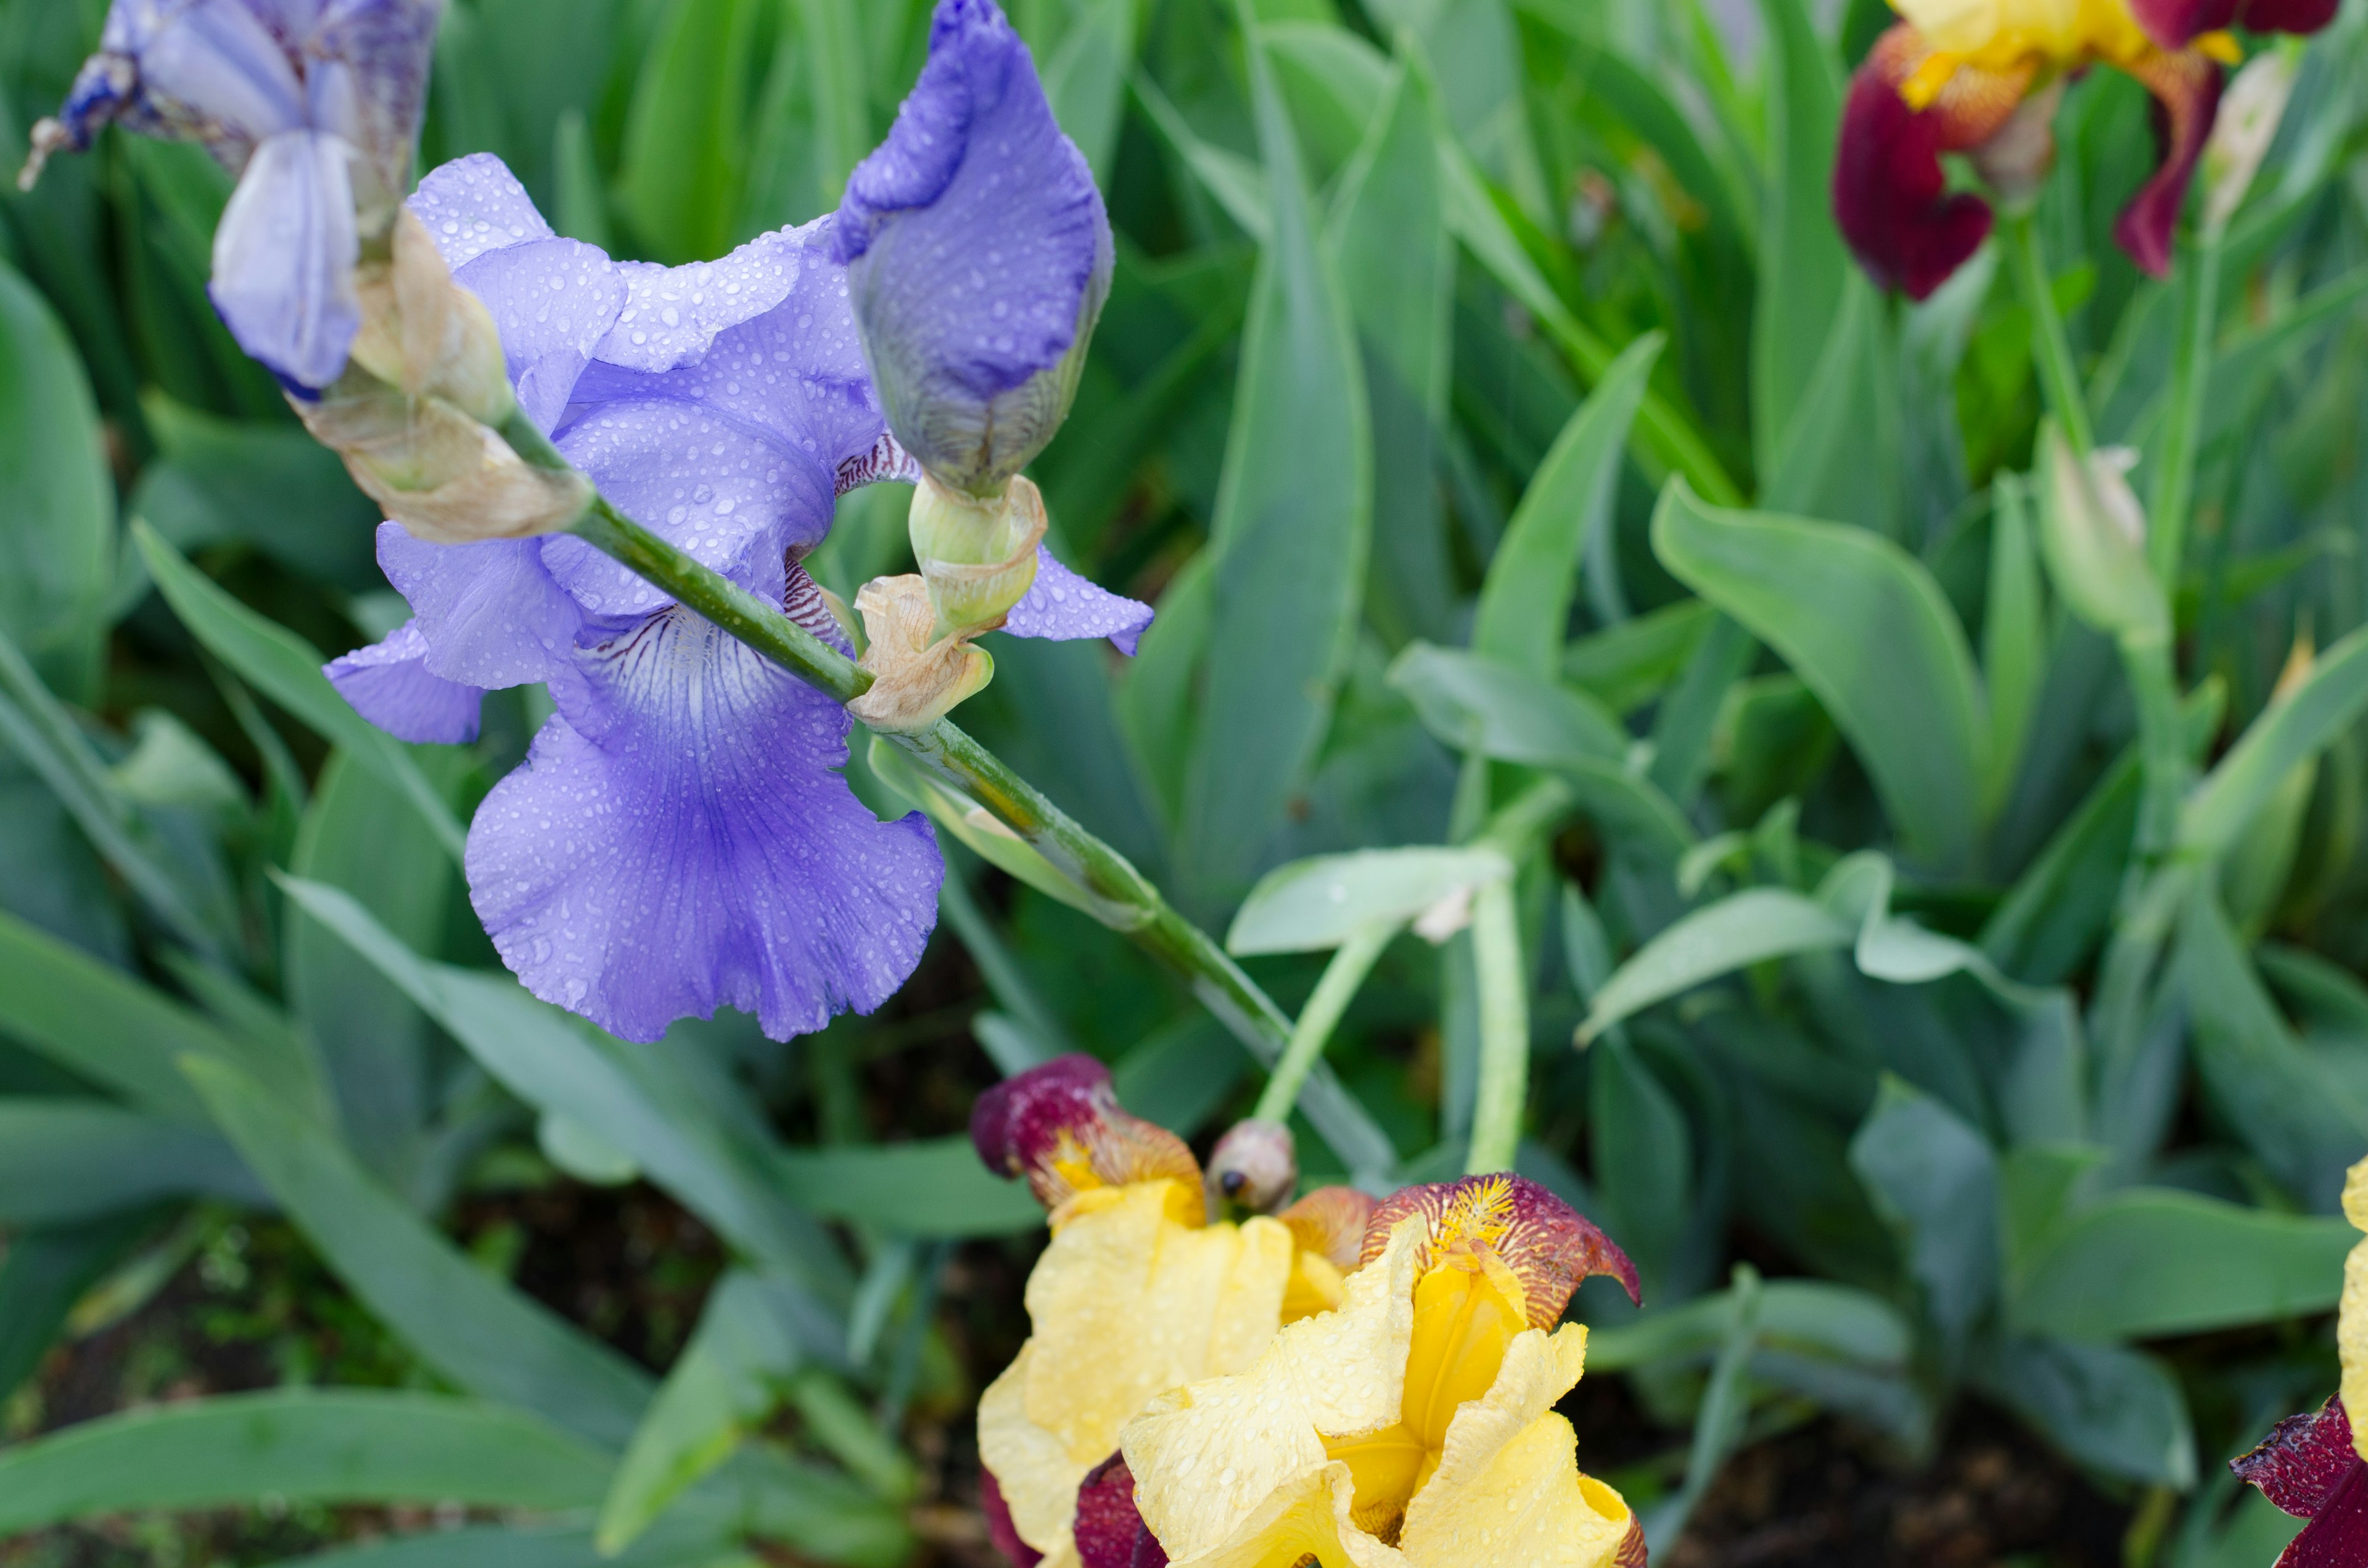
[
  {"x": 1060, "y": 1127},
  {"x": 1254, "y": 1166}
]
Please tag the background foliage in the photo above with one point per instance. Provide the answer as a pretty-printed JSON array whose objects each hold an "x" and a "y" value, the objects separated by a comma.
[{"x": 1419, "y": 305}]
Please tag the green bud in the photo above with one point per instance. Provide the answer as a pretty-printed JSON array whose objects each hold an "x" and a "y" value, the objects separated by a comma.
[
  {"x": 2093, "y": 533},
  {"x": 978, "y": 557}
]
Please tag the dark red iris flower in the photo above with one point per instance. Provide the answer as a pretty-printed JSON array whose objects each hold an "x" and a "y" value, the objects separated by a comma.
[{"x": 2309, "y": 1468}]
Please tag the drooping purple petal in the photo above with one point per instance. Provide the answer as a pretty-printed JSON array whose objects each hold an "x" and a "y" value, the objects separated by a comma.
[
  {"x": 1063, "y": 606},
  {"x": 980, "y": 254},
  {"x": 367, "y": 81},
  {"x": 284, "y": 258},
  {"x": 389, "y": 683},
  {"x": 208, "y": 70},
  {"x": 679, "y": 840},
  {"x": 490, "y": 612}
]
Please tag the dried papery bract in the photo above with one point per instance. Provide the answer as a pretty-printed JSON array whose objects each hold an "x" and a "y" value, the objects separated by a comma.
[{"x": 917, "y": 677}]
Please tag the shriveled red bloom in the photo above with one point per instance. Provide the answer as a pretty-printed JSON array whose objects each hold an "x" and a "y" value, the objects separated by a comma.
[
  {"x": 2309, "y": 1468},
  {"x": 1109, "y": 1529},
  {"x": 1060, "y": 1125},
  {"x": 1950, "y": 78}
]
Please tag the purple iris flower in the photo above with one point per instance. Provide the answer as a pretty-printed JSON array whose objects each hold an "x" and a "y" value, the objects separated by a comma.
[
  {"x": 679, "y": 838},
  {"x": 980, "y": 254},
  {"x": 314, "y": 104}
]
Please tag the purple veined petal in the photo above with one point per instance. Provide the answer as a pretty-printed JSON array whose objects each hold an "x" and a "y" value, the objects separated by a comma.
[
  {"x": 368, "y": 79},
  {"x": 673, "y": 314},
  {"x": 979, "y": 252},
  {"x": 389, "y": 684},
  {"x": 1063, "y": 606},
  {"x": 732, "y": 496},
  {"x": 489, "y": 612},
  {"x": 473, "y": 205},
  {"x": 552, "y": 299},
  {"x": 679, "y": 840},
  {"x": 209, "y": 67},
  {"x": 284, "y": 258}
]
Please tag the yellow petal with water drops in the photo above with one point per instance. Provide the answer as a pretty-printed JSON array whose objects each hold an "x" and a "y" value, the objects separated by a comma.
[
  {"x": 2351, "y": 1317},
  {"x": 1306, "y": 1519},
  {"x": 1126, "y": 1303},
  {"x": 1208, "y": 1460},
  {"x": 1507, "y": 1488}
]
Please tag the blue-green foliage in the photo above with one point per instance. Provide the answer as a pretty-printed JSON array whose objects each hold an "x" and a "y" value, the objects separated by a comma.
[{"x": 1839, "y": 888}]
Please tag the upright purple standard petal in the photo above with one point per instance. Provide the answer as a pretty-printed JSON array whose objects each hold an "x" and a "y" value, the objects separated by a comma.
[
  {"x": 284, "y": 258},
  {"x": 679, "y": 840},
  {"x": 1063, "y": 606},
  {"x": 390, "y": 684},
  {"x": 980, "y": 256}
]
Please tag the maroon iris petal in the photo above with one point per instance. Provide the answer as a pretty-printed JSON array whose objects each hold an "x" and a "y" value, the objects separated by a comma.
[
  {"x": 2186, "y": 89},
  {"x": 1000, "y": 1527},
  {"x": 2338, "y": 1536},
  {"x": 1015, "y": 1121},
  {"x": 2300, "y": 1464},
  {"x": 1891, "y": 197},
  {"x": 1110, "y": 1532},
  {"x": 2173, "y": 24},
  {"x": 2289, "y": 15}
]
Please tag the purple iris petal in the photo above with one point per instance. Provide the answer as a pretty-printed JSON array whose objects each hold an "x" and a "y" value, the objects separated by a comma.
[
  {"x": 284, "y": 258},
  {"x": 680, "y": 840},
  {"x": 389, "y": 684},
  {"x": 491, "y": 614},
  {"x": 1063, "y": 606},
  {"x": 980, "y": 254}
]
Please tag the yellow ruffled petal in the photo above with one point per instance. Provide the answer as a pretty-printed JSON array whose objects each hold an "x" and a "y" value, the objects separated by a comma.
[
  {"x": 1210, "y": 1459},
  {"x": 1507, "y": 1488},
  {"x": 2351, "y": 1318},
  {"x": 1125, "y": 1304},
  {"x": 2006, "y": 35},
  {"x": 1306, "y": 1517}
]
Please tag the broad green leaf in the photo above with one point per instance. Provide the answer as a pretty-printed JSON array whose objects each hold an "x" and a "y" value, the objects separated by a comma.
[
  {"x": 1839, "y": 454},
  {"x": 1181, "y": 1076},
  {"x": 1314, "y": 905},
  {"x": 1804, "y": 1314},
  {"x": 1157, "y": 706},
  {"x": 2014, "y": 637},
  {"x": 1747, "y": 928},
  {"x": 1644, "y": 1160},
  {"x": 1803, "y": 269},
  {"x": 284, "y": 668},
  {"x": 625, "y": 1097},
  {"x": 372, "y": 1042},
  {"x": 725, "y": 1384},
  {"x": 1687, "y": 718},
  {"x": 298, "y": 1446},
  {"x": 1627, "y": 666},
  {"x": 930, "y": 1186},
  {"x": 1292, "y": 531},
  {"x": 102, "y": 1023},
  {"x": 59, "y": 559},
  {"x": 1934, "y": 1180},
  {"x": 45, "y": 1272},
  {"x": 835, "y": 78},
  {"x": 704, "y": 1544},
  {"x": 1864, "y": 624},
  {"x": 2291, "y": 731},
  {"x": 1396, "y": 265},
  {"x": 2146, "y": 1262},
  {"x": 1240, "y": 186},
  {"x": 1473, "y": 702},
  {"x": 686, "y": 151},
  {"x": 1525, "y": 604},
  {"x": 2298, "y": 1120},
  {"x": 267, "y": 484},
  {"x": 68, "y": 1160},
  {"x": 1087, "y": 79},
  {"x": 2105, "y": 1407},
  {"x": 471, "y": 1327},
  {"x": 187, "y": 892}
]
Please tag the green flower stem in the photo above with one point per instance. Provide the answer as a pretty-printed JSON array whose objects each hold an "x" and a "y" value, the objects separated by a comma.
[
  {"x": 2174, "y": 493},
  {"x": 1504, "y": 1030},
  {"x": 2049, "y": 345},
  {"x": 1133, "y": 906},
  {"x": 2162, "y": 745},
  {"x": 1333, "y": 992}
]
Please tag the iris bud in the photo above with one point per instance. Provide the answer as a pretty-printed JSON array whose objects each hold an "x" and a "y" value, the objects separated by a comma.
[
  {"x": 2093, "y": 534},
  {"x": 1254, "y": 1166},
  {"x": 978, "y": 255}
]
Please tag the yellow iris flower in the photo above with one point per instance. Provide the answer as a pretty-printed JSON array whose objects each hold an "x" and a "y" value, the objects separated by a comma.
[
  {"x": 1413, "y": 1427},
  {"x": 1137, "y": 1293}
]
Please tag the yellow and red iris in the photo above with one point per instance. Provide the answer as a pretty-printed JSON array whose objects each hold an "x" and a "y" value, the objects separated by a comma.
[
  {"x": 1968, "y": 75},
  {"x": 1138, "y": 1293},
  {"x": 1411, "y": 1427}
]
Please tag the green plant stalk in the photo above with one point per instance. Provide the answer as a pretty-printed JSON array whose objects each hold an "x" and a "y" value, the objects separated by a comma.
[
  {"x": 1333, "y": 992},
  {"x": 2172, "y": 496},
  {"x": 1504, "y": 1030},
  {"x": 2050, "y": 346},
  {"x": 2162, "y": 746}
]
